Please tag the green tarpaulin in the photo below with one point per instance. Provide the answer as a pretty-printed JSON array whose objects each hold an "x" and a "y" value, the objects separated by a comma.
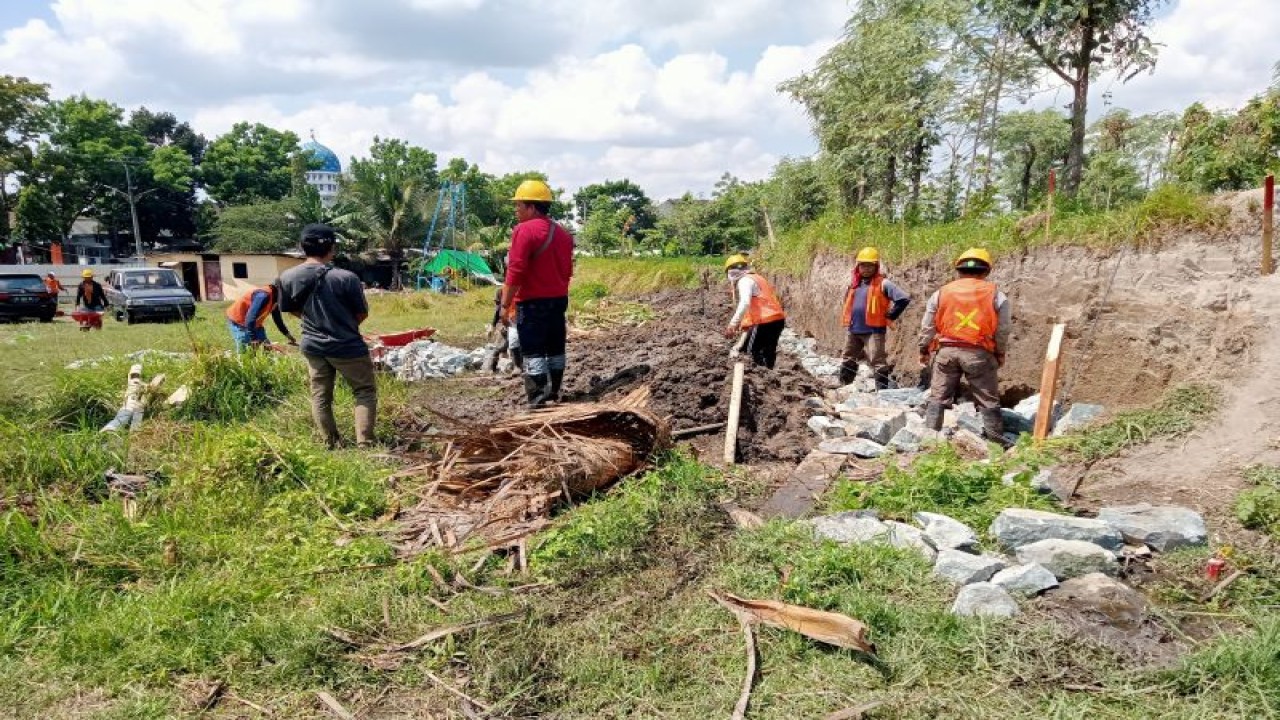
[{"x": 461, "y": 261}]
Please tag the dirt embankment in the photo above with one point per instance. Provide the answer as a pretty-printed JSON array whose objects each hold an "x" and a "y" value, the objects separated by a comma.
[{"x": 1179, "y": 314}]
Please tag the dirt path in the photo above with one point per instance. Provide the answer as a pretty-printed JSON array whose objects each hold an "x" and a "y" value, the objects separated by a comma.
[{"x": 1202, "y": 471}]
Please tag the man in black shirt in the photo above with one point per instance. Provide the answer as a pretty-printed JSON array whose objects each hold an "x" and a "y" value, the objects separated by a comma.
[{"x": 331, "y": 303}]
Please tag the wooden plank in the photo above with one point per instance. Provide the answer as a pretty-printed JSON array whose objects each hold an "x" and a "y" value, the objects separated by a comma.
[
  {"x": 1268, "y": 215},
  {"x": 1049, "y": 383},
  {"x": 806, "y": 483},
  {"x": 735, "y": 412}
]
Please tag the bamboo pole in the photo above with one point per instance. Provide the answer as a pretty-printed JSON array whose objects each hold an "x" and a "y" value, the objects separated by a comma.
[
  {"x": 1048, "y": 218},
  {"x": 1049, "y": 383},
  {"x": 735, "y": 411},
  {"x": 1268, "y": 213}
]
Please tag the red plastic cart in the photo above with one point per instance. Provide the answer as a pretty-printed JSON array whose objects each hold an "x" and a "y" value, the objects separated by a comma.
[
  {"x": 88, "y": 319},
  {"x": 378, "y": 344}
]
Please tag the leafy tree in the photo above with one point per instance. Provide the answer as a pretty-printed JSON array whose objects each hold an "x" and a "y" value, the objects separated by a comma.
[
  {"x": 390, "y": 195},
  {"x": 1028, "y": 144},
  {"x": 262, "y": 226},
  {"x": 1229, "y": 151},
  {"x": 482, "y": 204},
  {"x": 877, "y": 97},
  {"x": 504, "y": 188},
  {"x": 797, "y": 193},
  {"x": 171, "y": 209},
  {"x": 86, "y": 162},
  {"x": 22, "y": 119},
  {"x": 623, "y": 195},
  {"x": 730, "y": 221},
  {"x": 607, "y": 226},
  {"x": 1075, "y": 39},
  {"x": 250, "y": 163}
]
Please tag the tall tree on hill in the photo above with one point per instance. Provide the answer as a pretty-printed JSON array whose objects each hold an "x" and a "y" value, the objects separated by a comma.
[
  {"x": 1029, "y": 144},
  {"x": 1076, "y": 38},
  {"x": 390, "y": 195},
  {"x": 22, "y": 119},
  {"x": 250, "y": 163},
  {"x": 877, "y": 97}
]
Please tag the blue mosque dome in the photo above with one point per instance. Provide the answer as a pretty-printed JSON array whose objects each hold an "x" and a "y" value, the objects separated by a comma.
[{"x": 328, "y": 160}]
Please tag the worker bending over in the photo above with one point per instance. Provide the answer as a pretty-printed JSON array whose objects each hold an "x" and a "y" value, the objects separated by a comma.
[
  {"x": 758, "y": 312},
  {"x": 966, "y": 328},
  {"x": 247, "y": 315}
]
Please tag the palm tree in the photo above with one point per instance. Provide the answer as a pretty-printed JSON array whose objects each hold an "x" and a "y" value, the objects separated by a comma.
[{"x": 388, "y": 211}]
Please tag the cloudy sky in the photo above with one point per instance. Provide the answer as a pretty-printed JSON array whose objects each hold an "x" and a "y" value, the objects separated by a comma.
[{"x": 671, "y": 93}]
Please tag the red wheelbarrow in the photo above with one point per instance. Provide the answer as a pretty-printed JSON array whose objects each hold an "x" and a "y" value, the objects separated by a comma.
[
  {"x": 88, "y": 319},
  {"x": 378, "y": 344}
]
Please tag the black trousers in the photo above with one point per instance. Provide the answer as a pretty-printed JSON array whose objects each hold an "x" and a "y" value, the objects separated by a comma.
[
  {"x": 762, "y": 342},
  {"x": 542, "y": 329}
]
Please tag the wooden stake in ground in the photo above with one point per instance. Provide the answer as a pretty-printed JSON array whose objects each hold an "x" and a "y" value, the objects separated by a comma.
[
  {"x": 1048, "y": 216},
  {"x": 1049, "y": 383},
  {"x": 1268, "y": 212},
  {"x": 735, "y": 411}
]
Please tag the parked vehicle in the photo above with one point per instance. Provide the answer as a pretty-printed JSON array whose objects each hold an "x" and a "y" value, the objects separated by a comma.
[
  {"x": 148, "y": 293},
  {"x": 23, "y": 295}
]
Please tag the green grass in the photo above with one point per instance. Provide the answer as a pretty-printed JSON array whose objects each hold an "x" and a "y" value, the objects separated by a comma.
[
  {"x": 253, "y": 540},
  {"x": 1143, "y": 223},
  {"x": 1178, "y": 413},
  {"x": 941, "y": 481},
  {"x": 1258, "y": 507}
]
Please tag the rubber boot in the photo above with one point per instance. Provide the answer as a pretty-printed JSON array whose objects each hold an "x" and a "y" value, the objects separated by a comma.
[
  {"x": 848, "y": 373},
  {"x": 492, "y": 364},
  {"x": 557, "y": 378},
  {"x": 533, "y": 389},
  {"x": 933, "y": 416},
  {"x": 517, "y": 358},
  {"x": 993, "y": 427},
  {"x": 883, "y": 381}
]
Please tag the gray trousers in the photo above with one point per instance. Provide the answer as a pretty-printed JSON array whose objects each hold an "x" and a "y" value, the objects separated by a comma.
[{"x": 978, "y": 367}]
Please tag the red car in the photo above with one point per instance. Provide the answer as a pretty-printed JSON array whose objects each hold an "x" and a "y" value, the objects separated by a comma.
[{"x": 24, "y": 295}]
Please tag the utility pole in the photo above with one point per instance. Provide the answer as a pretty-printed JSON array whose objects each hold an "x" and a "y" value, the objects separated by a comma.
[{"x": 133, "y": 208}]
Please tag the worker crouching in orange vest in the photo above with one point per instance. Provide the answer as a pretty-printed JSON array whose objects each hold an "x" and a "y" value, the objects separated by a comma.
[
  {"x": 871, "y": 304},
  {"x": 758, "y": 312},
  {"x": 966, "y": 328},
  {"x": 246, "y": 316}
]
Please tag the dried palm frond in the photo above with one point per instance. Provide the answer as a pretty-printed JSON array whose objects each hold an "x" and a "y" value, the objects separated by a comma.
[{"x": 500, "y": 484}]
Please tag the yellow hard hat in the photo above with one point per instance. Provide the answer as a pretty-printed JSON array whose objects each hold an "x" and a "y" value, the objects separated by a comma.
[
  {"x": 868, "y": 254},
  {"x": 738, "y": 259},
  {"x": 974, "y": 257},
  {"x": 86, "y": 274},
  {"x": 533, "y": 191}
]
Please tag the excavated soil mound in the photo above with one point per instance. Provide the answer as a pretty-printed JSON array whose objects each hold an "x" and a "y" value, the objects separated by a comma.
[{"x": 684, "y": 360}]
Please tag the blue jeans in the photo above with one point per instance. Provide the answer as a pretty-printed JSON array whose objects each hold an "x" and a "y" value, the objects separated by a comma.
[{"x": 245, "y": 337}]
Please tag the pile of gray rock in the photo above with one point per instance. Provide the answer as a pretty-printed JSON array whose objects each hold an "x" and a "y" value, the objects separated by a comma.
[
  {"x": 806, "y": 351},
  {"x": 429, "y": 359},
  {"x": 859, "y": 420},
  {"x": 1041, "y": 550}
]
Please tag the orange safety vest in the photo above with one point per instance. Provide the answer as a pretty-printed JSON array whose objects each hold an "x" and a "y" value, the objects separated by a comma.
[
  {"x": 764, "y": 308},
  {"x": 240, "y": 308},
  {"x": 877, "y": 315},
  {"x": 52, "y": 285},
  {"x": 967, "y": 314}
]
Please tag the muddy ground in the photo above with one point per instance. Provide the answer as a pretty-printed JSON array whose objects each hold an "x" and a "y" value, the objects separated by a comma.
[{"x": 684, "y": 360}]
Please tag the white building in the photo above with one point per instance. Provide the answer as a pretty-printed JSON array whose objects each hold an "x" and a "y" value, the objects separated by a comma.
[{"x": 324, "y": 178}]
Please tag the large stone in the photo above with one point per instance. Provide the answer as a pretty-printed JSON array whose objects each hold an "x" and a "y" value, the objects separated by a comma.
[
  {"x": 1015, "y": 527},
  {"x": 858, "y": 447},
  {"x": 905, "y": 441},
  {"x": 1161, "y": 528},
  {"x": 907, "y": 537},
  {"x": 849, "y": 528},
  {"x": 1026, "y": 580},
  {"x": 875, "y": 424},
  {"x": 947, "y": 533},
  {"x": 984, "y": 600},
  {"x": 971, "y": 443},
  {"x": 1077, "y": 417},
  {"x": 1119, "y": 605},
  {"x": 903, "y": 397},
  {"x": 962, "y": 568},
  {"x": 825, "y": 428},
  {"x": 1028, "y": 408},
  {"x": 1068, "y": 558}
]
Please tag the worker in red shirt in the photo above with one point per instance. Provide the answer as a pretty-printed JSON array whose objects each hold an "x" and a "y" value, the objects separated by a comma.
[{"x": 539, "y": 266}]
